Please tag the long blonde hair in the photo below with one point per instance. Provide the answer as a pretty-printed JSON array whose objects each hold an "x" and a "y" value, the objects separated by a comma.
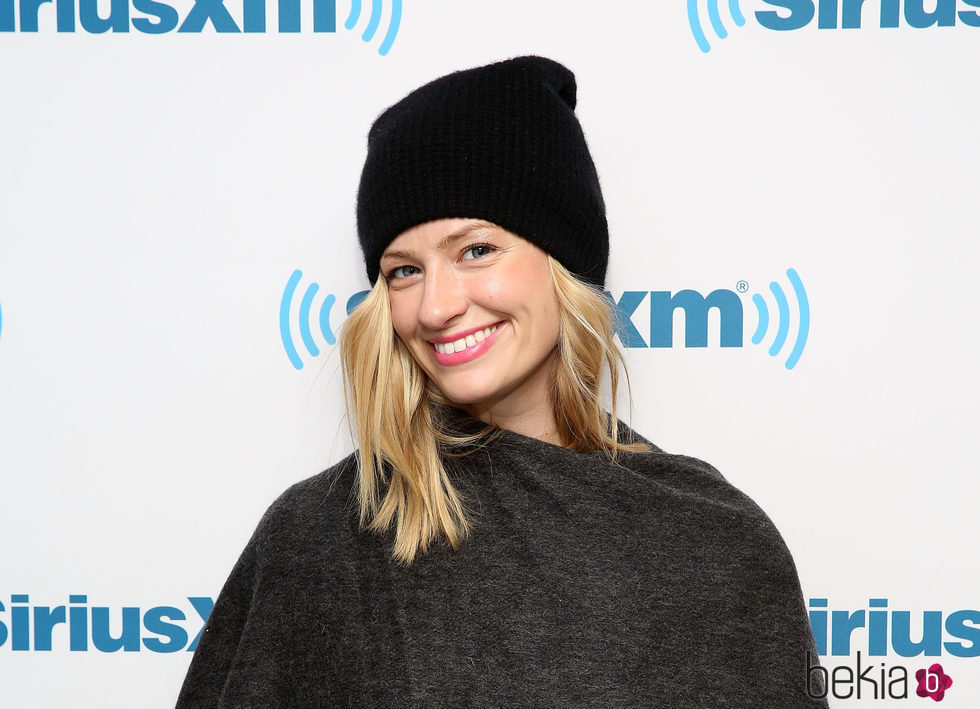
[{"x": 402, "y": 451}]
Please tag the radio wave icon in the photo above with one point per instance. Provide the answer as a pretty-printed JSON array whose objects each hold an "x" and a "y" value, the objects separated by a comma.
[
  {"x": 714, "y": 17},
  {"x": 305, "y": 310},
  {"x": 783, "y": 318},
  {"x": 375, "y": 21}
]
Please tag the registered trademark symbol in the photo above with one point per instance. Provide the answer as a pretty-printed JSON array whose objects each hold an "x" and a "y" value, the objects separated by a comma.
[{"x": 742, "y": 286}]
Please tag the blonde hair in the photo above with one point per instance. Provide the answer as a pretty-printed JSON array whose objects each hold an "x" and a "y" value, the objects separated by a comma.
[{"x": 402, "y": 451}]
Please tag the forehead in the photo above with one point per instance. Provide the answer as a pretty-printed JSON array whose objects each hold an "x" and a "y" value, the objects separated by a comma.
[{"x": 437, "y": 235}]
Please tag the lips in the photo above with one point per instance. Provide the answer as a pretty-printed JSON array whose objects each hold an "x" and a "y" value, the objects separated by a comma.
[
  {"x": 462, "y": 343},
  {"x": 446, "y": 354}
]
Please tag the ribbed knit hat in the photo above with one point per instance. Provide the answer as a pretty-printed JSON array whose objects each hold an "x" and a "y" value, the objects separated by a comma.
[{"x": 499, "y": 143}]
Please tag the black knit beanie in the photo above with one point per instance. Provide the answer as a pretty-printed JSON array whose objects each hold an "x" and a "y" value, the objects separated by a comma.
[{"x": 500, "y": 143}]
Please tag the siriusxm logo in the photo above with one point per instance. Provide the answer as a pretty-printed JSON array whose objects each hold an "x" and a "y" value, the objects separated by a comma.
[
  {"x": 832, "y": 15},
  {"x": 695, "y": 307},
  {"x": 155, "y": 17},
  {"x": 306, "y": 315},
  {"x": 663, "y": 305},
  {"x": 885, "y": 631},
  {"x": 157, "y": 629},
  {"x": 714, "y": 16}
]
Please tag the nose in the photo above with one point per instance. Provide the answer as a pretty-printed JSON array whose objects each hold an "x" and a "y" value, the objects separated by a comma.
[{"x": 443, "y": 298}]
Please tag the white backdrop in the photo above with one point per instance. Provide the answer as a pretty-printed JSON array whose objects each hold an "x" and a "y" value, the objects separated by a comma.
[{"x": 157, "y": 192}]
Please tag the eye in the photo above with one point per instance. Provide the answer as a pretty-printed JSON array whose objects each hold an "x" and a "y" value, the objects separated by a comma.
[
  {"x": 394, "y": 273},
  {"x": 480, "y": 249}
]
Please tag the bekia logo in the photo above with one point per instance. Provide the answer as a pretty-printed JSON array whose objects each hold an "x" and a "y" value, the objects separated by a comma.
[
  {"x": 933, "y": 682},
  {"x": 789, "y": 15},
  {"x": 870, "y": 680},
  {"x": 203, "y": 16},
  {"x": 879, "y": 633},
  {"x": 785, "y": 325}
]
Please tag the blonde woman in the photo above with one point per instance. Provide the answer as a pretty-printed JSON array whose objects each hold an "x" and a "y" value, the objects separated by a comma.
[{"x": 498, "y": 538}]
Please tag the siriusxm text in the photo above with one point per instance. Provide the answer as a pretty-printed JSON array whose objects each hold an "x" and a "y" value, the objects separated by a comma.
[
  {"x": 695, "y": 307},
  {"x": 878, "y": 629},
  {"x": 853, "y": 14},
  {"x": 155, "y": 17},
  {"x": 79, "y": 627}
]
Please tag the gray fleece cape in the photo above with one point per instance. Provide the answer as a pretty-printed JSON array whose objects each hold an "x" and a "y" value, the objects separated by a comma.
[{"x": 648, "y": 582}]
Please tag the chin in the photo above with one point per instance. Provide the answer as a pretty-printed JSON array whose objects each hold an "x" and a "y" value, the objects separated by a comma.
[
  {"x": 466, "y": 397},
  {"x": 471, "y": 393}
]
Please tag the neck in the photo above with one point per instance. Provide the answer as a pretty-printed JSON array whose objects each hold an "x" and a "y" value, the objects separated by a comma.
[
  {"x": 534, "y": 422},
  {"x": 528, "y": 411}
]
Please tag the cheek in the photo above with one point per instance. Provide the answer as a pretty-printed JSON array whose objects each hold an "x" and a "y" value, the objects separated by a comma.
[
  {"x": 402, "y": 317},
  {"x": 535, "y": 289},
  {"x": 550, "y": 321},
  {"x": 489, "y": 287}
]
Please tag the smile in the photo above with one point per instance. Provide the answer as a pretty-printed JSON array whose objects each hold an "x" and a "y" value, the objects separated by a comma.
[
  {"x": 464, "y": 342},
  {"x": 466, "y": 348}
]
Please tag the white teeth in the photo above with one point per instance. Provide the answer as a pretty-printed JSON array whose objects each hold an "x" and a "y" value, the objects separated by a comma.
[{"x": 464, "y": 342}]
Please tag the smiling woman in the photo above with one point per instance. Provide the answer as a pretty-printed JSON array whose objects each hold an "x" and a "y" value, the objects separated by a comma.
[
  {"x": 491, "y": 285},
  {"x": 499, "y": 538}
]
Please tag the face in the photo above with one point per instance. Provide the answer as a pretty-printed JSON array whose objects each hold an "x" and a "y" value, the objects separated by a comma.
[{"x": 475, "y": 306}]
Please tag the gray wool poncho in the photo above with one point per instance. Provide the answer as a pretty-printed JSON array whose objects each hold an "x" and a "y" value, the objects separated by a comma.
[{"x": 651, "y": 582}]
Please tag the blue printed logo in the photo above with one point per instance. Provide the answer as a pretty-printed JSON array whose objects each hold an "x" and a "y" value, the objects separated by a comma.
[
  {"x": 157, "y": 629},
  {"x": 156, "y": 17},
  {"x": 714, "y": 16},
  {"x": 314, "y": 314},
  {"x": 831, "y": 15},
  {"x": 375, "y": 22},
  {"x": 783, "y": 318},
  {"x": 881, "y": 631},
  {"x": 695, "y": 307},
  {"x": 306, "y": 311}
]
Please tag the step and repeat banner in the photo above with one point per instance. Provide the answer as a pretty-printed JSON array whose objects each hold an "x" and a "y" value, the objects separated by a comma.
[{"x": 792, "y": 191}]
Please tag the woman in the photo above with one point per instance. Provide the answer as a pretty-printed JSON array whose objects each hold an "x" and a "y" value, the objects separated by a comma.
[{"x": 498, "y": 539}]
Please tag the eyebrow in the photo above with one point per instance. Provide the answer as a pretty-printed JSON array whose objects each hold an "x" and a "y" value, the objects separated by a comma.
[{"x": 448, "y": 240}]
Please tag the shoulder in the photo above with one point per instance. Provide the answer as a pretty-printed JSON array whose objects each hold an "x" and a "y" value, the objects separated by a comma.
[
  {"x": 336, "y": 482},
  {"x": 737, "y": 576},
  {"x": 705, "y": 502},
  {"x": 299, "y": 549},
  {"x": 322, "y": 505}
]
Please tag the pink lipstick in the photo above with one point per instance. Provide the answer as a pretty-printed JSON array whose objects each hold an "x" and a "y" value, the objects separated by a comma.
[{"x": 469, "y": 353}]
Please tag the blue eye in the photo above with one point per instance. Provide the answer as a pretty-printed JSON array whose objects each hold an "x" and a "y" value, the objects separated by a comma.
[
  {"x": 486, "y": 248},
  {"x": 478, "y": 250},
  {"x": 393, "y": 273}
]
